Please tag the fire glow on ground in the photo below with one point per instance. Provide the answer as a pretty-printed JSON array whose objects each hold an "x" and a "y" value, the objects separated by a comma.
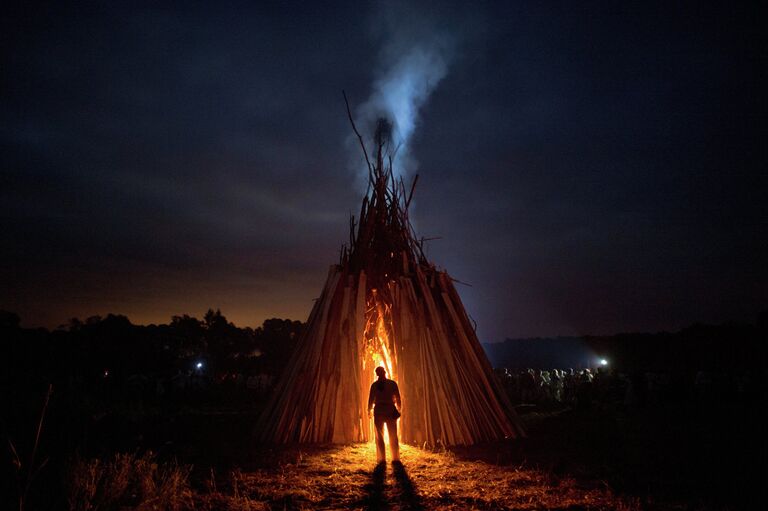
[{"x": 344, "y": 477}]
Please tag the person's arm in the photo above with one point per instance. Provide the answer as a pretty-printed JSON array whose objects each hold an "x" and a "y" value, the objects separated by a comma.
[
  {"x": 370, "y": 400},
  {"x": 397, "y": 396}
]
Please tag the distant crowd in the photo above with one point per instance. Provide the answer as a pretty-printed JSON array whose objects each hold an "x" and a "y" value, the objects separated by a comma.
[{"x": 602, "y": 387}]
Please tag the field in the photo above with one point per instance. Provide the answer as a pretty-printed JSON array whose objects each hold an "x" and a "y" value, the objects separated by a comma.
[{"x": 594, "y": 459}]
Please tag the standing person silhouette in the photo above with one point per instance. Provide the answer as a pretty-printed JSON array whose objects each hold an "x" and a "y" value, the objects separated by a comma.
[{"x": 386, "y": 396}]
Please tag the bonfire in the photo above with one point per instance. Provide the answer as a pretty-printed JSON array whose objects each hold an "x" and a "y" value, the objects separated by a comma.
[{"x": 386, "y": 304}]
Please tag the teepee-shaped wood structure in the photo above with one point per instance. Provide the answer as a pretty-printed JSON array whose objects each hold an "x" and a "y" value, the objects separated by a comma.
[{"x": 386, "y": 304}]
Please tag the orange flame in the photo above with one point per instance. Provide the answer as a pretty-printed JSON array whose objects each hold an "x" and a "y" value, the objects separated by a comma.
[{"x": 378, "y": 347}]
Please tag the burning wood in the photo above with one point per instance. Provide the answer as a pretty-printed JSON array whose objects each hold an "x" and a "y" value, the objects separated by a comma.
[{"x": 386, "y": 304}]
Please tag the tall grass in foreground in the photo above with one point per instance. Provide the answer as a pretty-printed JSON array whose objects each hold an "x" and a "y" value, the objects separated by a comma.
[{"x": 128, "y": 481}]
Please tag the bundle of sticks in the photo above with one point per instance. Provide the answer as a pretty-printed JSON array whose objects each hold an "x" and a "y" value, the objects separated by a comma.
[{"x": 385, "y": 300}]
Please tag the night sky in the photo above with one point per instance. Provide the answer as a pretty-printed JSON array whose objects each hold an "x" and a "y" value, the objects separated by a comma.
[{"x": 591, "y": 168}]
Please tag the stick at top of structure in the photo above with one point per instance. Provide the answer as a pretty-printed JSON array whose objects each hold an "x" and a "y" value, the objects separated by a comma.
[{"x": 385, "y": 303}]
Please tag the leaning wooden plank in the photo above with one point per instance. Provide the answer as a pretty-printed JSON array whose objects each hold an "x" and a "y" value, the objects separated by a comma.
[{"x": 449, "y": 391}]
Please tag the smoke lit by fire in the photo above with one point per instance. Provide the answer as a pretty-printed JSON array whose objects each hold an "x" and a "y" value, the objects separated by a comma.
[{"x": 414, "y": 58}]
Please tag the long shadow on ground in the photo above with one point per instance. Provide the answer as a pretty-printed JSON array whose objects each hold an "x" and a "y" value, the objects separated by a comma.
[
  {"x": 375, "y": 489},
  {"x": 660, "y": 458},
  {"x": 409, "y": 495}
]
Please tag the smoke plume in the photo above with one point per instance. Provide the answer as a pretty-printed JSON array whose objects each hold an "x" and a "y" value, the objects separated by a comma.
[{"x": 414, "y": 58}]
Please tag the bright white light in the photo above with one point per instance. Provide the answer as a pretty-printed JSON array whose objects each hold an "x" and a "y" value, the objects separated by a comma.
[
  {"x": 199, "y": 365},
  {"x": 603, "y": 362}
]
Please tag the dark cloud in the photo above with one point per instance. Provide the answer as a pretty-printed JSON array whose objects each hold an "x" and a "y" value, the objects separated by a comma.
[{"x": 590, "y": 168}]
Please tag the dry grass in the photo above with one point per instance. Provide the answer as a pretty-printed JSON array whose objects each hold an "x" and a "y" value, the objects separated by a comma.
[
  {"x": 344, "y": 478},
  {"x": 128, "y": 481},
  {"x": 337, "y": 477}
]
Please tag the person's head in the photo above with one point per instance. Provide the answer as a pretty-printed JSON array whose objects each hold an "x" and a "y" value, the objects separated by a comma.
[{"x": 381, "y": 372}]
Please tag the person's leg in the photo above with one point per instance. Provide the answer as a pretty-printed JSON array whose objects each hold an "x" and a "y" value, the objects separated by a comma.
[
  {"x": 378, "y": 423},
  {"x": 394, "y": 445}
]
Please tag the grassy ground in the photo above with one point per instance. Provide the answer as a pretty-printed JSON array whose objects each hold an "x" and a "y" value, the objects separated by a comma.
[
  {"x": 665, "y": 459},
  {"x": 346, "y": 477}
]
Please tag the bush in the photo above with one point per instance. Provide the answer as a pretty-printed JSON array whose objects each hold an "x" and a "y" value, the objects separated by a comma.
[{"x": 128, "y": 481}]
